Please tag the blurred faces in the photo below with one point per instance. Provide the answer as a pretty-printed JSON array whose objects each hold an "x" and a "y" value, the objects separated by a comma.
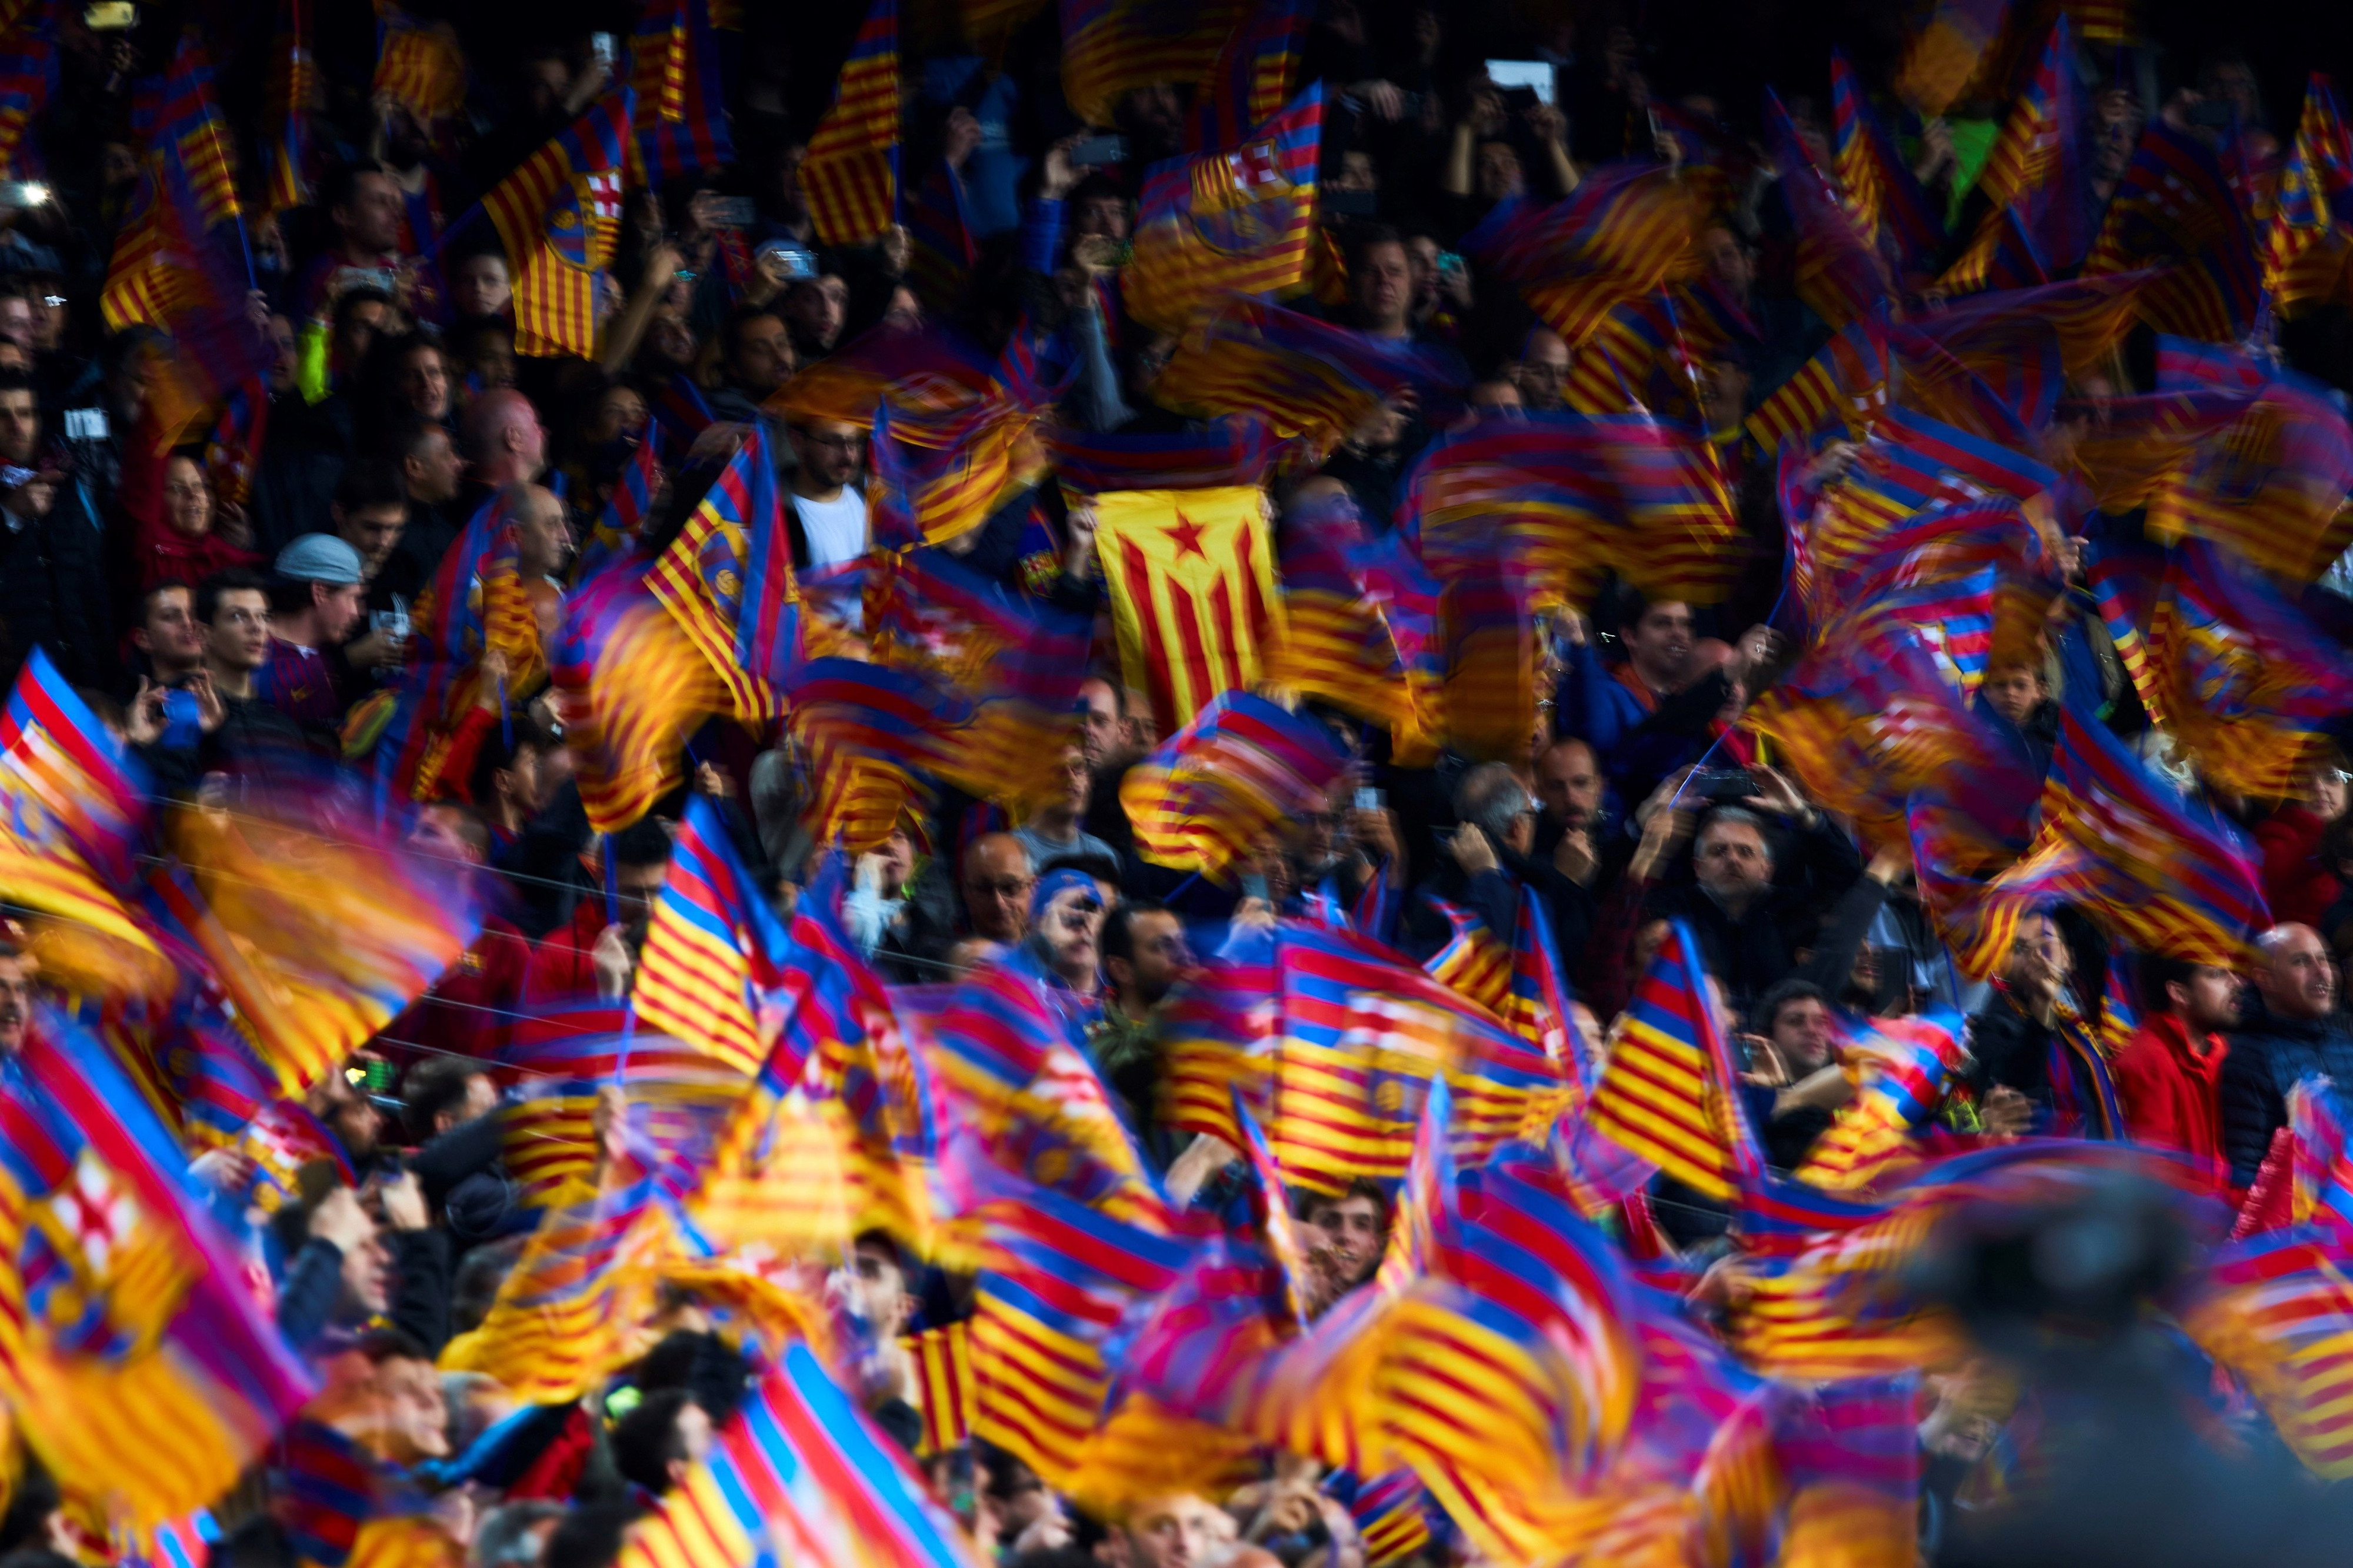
[
  {"x": 370, "y": 222},
  {"x": 1499, "y": 174},
  {"x": 1103, "y": 216},
  {"x": 187, "y": 499},
  {"x": 16, "y": 319},
  {"x": 2209, "y": 1000},
  {"x": 1569, "y": 784},
  {"x": 1385, "y": 289},
  {"x": 1162, "y": 956},
  {"x": 875, "y": 1285},
  {"x": 416, "y": 1416},
  {"x": 1182, "y": 1531},
  {"x": 1728, "y": 262},
  {"x": 374, "y": 531},
  {"x": 1543, "y": 368},
  {"x": 543, "y": 534},
  {"x": 2038, "y": 960},
  {"x": 1098, "y": 721},
  {"x": 434, "y": 470},
  {"x": 20, "y": 428},
  {"x": 1801, "y": 1033},
  {"x": 760, "y": 355},
  {"x": 829, "y": 452},
  {"x": 2325, "y": 791},
  {"x": 285, "y": 354},
  {"x": 2013, "y": 690},
  {"x": 817, "y": 307},
  {"x": 356, "y": 330},
  {"x": 1071, "y": 927},
  {"x": 1730, "y": 861},
  {"x": 169, "y": 635},
  {"x": 423, "y": 381},
  {"x": 1354, "y": 1230},
  {"x": 238, "y": 637},
  {"x": 339, "y": 606},
  {"x": 480, "y": 287},
  {"x": 1660, "y": 645},
  {"x": 996, "y": 883},
  {"x": 2299, "y": 982},
  {"x": 16, "y": 1000}
]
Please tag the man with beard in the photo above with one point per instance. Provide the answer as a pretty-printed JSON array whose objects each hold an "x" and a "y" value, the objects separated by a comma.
[
  {"x": 593, "y": 956},
  {"x": 1145, "y": 953}
]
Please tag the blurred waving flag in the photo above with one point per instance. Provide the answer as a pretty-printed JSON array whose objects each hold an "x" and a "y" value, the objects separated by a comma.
[
  {"x": 1943, "y": 55},
  {"x": 2309, "y": 239},
  {"x": 419, "y": 65},
  {"x": 1192, "y": 594},
  {"x": 74, "y": 811},
  {"x": 2038, "y": 228},
  {"x": 28, "y": 74},
  {"x": 727, "y": 580},
  {"x": 1880, "y": 188},
  {"x": 1843, "y": 387},
  {"x": 1839, "y": 271},
  {"x": 680, "y": 126},
  {"x": 1241, "y": 768},
  {"x": 851, "y": 174},
  {"x": 2175, "y": 209},
  {"x": 1110, "y": 47},
  {"x": 559, "y": 216},
  {"x": 294, "y": 77},
  {"x": 1905, "y": 1065},
  {"x": 1235, "y": 220},
  {"x": 1669, "y": 1092},
  {"x": 1623, "y": 234},
  {"x": 713, "y": 949},
  {"x": 800, "y": 1474},
  {"x": 633, "y": 687},
  {"x": 1303, "y": 376},
  {"x": 1252, "y": 77}
]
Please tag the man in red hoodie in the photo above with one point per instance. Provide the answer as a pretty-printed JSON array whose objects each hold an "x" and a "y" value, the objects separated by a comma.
[
  {"x": 2169, "y": 1078},
  {"x": 596, "y": 953}
]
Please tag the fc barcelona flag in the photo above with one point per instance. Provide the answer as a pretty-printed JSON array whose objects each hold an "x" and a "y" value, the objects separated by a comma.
[
  {"x": 1110, "y": 47},
  {"x": 1192, "y": 592},
  {"x": 851, "y": 174},
  {"x": 559, "y": 216},
  {"x": 681, "y": 119},
  {"x": 28, "y": 74},
  {"x": 1238, "y": 220},
  {"x": 294, "y": 72},
  {"x": 2308, "y": 236},
  {"x": 419, "y": 66}
]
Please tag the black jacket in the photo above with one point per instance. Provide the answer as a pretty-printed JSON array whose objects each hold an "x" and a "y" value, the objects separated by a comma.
[
  {"x": 2267, "y": 1058},
  {"x": 54, "y": 592},
  {"x": 1758, "y": 948}
]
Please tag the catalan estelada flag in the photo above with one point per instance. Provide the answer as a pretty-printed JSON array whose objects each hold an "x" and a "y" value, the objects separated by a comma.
[
  {"x": 727, "y": 580},
  {"x": 800, "y": 1474},
  {"x": 851, "y": 174},
  {"x": 1110, "y": 47},
  {"x": 675, "y": 65},
  {"x": 559, "y": 216},
  {"x": 1669, "y": 1092},
  {"x": 1192, "y": 592},
  {"x": 1232, "y": 221},
  {"x": 419, "y": 66},
  {"x": 2309, "y": 236}
]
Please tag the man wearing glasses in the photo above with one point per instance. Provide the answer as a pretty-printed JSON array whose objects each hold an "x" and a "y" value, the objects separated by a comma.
[{"x": 827, "y": 511}]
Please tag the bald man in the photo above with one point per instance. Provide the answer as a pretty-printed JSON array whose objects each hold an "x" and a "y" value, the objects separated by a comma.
[
  {"x": 543, "y": 532},
  {"x": 504, "y": 439},
  {"x": 2293, "y": 1033},
  {"x": 997, "y": 878}
]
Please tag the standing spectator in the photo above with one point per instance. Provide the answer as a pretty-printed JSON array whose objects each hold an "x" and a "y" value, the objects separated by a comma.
[
  {"x": 254, "y": 736},
  {"x": 1052, "y": 830},
  {"x": 2169, "y": 1077},
  {"x": 2293, "y": 1033},
  {"x": 826, "y": 512},
  {"x": 313, "y": 606},
  {"x": 53, "y": 589}
]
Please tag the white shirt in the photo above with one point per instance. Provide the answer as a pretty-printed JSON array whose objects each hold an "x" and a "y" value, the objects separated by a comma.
[{"x": 836, "y": 529}]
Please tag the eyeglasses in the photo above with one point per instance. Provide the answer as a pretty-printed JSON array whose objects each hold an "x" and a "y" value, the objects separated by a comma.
[{"x": 1004, "y": 887}]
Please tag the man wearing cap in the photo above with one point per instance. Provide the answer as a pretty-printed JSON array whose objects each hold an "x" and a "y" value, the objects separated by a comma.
[{"x": 316, "y": 596}]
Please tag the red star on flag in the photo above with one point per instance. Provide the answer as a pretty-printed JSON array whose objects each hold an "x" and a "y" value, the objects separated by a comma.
[{"x": 1187, "y": 535}]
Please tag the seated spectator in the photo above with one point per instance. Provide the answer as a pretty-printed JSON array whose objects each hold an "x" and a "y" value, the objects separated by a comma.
[
  {"x": 2291, "y": 1032},
  {"x": 996, "y": 883},
  {"x": 1052, "y": 828},
  {"x": 315, "y": 603}
]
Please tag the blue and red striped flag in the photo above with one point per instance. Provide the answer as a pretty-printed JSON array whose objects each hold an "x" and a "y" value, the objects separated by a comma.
[
  {"x": 675, "y": 65},
  {"x": 1110, "y": 47},
  {"x": 2322, "y": 1172},
  {"x": 715, "y": 950},
  {"x": 1236, "y": 220},
  {"x": 293, "y": 75},
  {"x": 727, "y": 580},
  {"x": 559, "y": 216},
  {"x": 1252, "y": 77},
  {"x": 2272, "y": 1311},
  {"x": 615, "y": 534},
  {"x": 28, "y": 74},
  {"x": 633, "y": 689},
  {"x": 1940, "y": 58},
  {"x": 419, "y": 66},
  {"x": 1242, "y": 766},
  {"x": 2175, "y": 210},
  {"x": 1622, "y": 235},
  {"x": 851, "y": 174},
  {"x": 1302, "y": 375},
  {"x": 942, "y": 249},
  {"x": 2036, "y": 178},
  {"x": 1906, "y": 1063},
  {"x": 1233, "y": 449},
  {"x": 1880, "y": 188},
  {"x": 799, "y": 1473},
  {"x": 2309, "y": 238},
  {"x": 1670, "y": 1091},
  {"x": 1839, "y": 272}
]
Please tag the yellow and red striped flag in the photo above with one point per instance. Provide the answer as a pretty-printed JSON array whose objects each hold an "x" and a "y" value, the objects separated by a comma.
[
  {"x": 1238, "y": 220},
  {"x": 2309, "y": 243},
  {"x": 420, "y": 66},
  {"x": 943, "y": 1359},
  {"x": 1192, "y": 592},
  {"x": 851, "y": 174},
  {"x": 559, "y": 216},
  {"x": 1667, "y": 1092}
]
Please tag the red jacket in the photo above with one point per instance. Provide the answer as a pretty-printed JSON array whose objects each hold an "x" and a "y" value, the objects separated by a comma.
[
  {"x": 2171, "y": 1094},
  {"x": 2298, "y": 885},
  {"x": 471, "y": 1008},
  {"x": 561, "y": 968}
]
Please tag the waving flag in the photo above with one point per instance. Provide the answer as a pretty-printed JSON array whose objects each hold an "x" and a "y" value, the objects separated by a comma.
[
  {"x": 1234, "y": 221},
  {"x": 1906, "y": 1063},
  {"x": 28, "y": 74},
  {"x": 2322, "y": 1194},
  {"x": 1837, "y": 271},
  {"x": 1669, "y": 1092},
  {"x": 419, "y": 66},
  {"x": 1252, "y": 77},
  {"x": 1302, "y": 375},
  {"x": 2174, "y": 209},
  {"x": 799, "y": 1473},
  {"x": 2309, "y": 238},
  {"x": 1943, "y": 54},
  {"x": 2035, "y": 179},
  {"x": 1850, "y": 1453},
  {"x": 1110, "y": 47},
  {"x": 559, "y": 216},
  {"x": 2273, "y": 1312},
  {"x": 1340, "y": 643},
  {"x": 727, "y": 580},
  {"x": 131, "y": 1333},
  {"x": 851, "y": 174},
  {"x": 1623, "y": 234},
  {"x": 1879, "y": 186},
  {"x": 1241, "y": 768},
  {"x": 1844, "y": 386},
  {"x": 293, "y": 75},
  {"x": 633, "y": 687},
  {"x": 713, "y": 949},
  {"x": 680, "y": 126},
  {"x": 1233, "y": 450}
]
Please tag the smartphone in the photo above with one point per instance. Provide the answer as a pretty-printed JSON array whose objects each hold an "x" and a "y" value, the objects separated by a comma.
[
  {"x": 1370, "y": 800},
  {"x": 601, "y": 46},
  {"x": 110, "y": 16},
  {"x": 14, "y": 193},
  {"x": 733, "y": 212},
  {"x": 1451, "y": 263},
  {"x": 1097, "y": 151},
  {"x": 1723, "y": 784},
  {"x": 1535, "y": 76}
]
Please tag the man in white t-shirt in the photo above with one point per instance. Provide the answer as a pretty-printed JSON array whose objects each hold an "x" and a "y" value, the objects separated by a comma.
[{"x": 828, "y": 513}]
